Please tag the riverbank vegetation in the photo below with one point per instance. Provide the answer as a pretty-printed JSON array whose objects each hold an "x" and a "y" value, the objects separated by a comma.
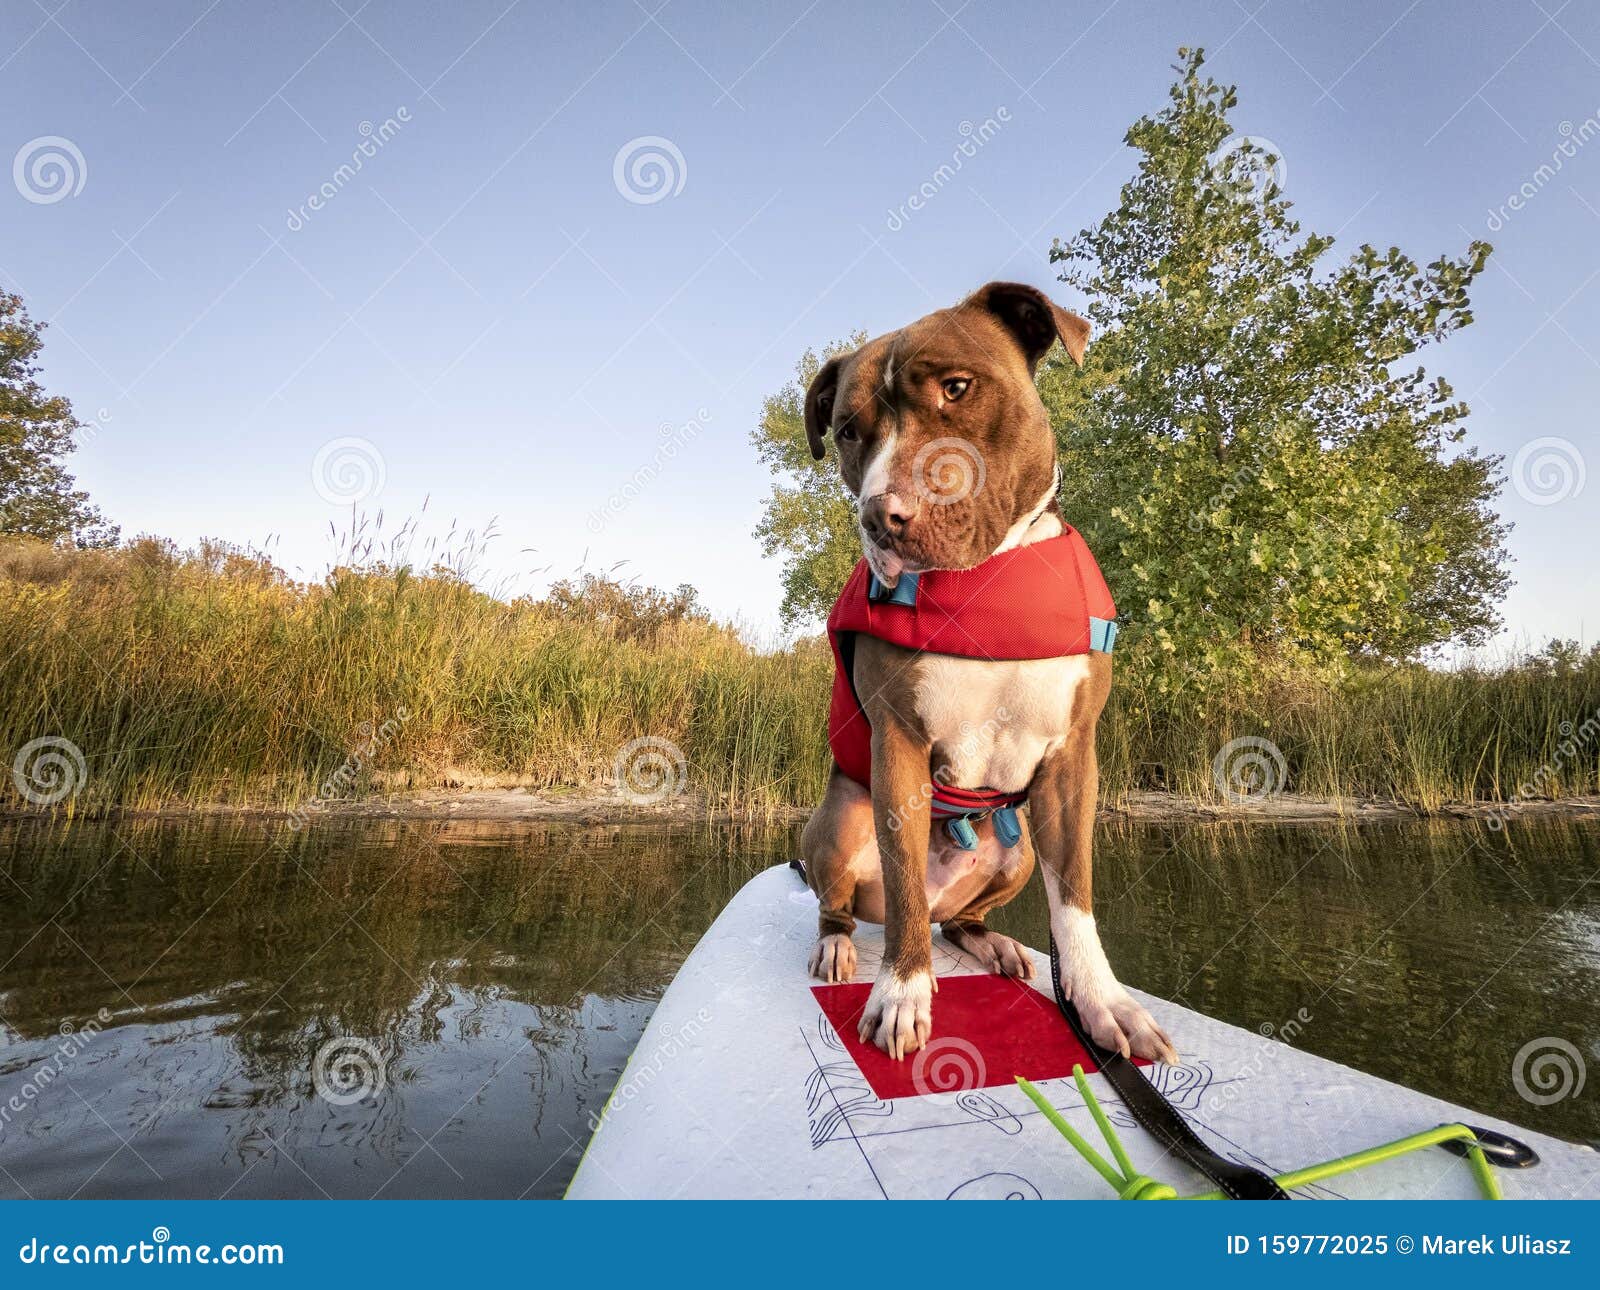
[{"x": 210, "y": 676}]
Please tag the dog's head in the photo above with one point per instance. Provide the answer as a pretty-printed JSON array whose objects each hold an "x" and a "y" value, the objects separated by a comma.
[{"x": 940, "y": 431}]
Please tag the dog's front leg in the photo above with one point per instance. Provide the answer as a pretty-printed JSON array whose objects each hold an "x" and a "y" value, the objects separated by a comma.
[
  {"x": 1061, "y": 802},
  {"x": 899, "y": 1013}
]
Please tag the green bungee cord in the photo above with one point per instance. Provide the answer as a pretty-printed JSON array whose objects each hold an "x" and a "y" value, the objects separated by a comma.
[{"x": 1128, "y": 1185}]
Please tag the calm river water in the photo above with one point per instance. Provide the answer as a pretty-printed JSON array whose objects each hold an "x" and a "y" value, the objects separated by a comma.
[{"x": 166, "y": 988}]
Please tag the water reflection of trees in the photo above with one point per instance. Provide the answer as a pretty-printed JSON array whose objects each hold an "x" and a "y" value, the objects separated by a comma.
[
  {"x": 403, "y": 933},
  {"x": 420, "y": 935}
]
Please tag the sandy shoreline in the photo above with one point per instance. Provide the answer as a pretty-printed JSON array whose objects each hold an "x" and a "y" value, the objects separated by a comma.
[{"x": 603, "y": 806}]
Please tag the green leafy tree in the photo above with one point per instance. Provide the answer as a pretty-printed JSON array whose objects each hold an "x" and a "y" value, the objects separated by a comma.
[
  {"x": 810, "y": 517},
  {"x": 1263, "y": 480},
  {"x": 37, "y": 498}
]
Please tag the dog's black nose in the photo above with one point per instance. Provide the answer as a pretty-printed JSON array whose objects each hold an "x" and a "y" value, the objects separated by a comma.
[{"x": 886, "y": 516}]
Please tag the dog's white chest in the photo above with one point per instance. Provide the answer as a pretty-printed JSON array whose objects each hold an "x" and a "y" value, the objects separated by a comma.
[{"x": 993, "y": 723}]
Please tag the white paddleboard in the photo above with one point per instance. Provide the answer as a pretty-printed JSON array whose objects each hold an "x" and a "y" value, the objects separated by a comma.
[{"x": 741, "y": 1087}]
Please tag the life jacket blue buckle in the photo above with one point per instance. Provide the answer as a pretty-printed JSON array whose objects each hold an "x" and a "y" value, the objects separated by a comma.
[
  {"x": 1102, "y": 634},
  {"x": 903, "y": 593},
  {"x": 1007, "y": 827}
]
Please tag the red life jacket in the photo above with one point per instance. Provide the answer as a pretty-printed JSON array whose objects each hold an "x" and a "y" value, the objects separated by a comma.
[{"x": 1045, "y": 600}]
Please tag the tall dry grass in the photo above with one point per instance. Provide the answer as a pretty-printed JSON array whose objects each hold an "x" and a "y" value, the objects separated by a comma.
[
  {"x": 1524, "y": 729},
  {"x": 210, "y": 676}
]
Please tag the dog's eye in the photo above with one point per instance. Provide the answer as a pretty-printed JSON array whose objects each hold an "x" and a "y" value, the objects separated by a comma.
[
  {"x": 954, "y": 387},
  {"x": 845, "y": 433}
]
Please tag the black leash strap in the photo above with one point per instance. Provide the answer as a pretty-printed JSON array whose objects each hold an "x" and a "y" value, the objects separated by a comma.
[{"x": 1157, "y": 1116}]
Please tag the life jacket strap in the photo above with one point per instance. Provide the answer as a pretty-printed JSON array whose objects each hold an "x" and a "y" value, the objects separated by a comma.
[
  {"x": 948, "y": 800},
  {"x": 1102, "y": 631}
]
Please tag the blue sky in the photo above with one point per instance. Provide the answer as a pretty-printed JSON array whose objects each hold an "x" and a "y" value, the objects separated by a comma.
[{"x": 510, "y": 320}]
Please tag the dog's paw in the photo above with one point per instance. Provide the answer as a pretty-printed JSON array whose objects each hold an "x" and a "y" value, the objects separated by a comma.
[
  {"x": 1125, "y": 1025},
  {"x": 996, "y": 952},
  {"x": 1114, "y": 1017},
  {"x": 833, "y": 958},
  {"x": 898, "y": 1017}
]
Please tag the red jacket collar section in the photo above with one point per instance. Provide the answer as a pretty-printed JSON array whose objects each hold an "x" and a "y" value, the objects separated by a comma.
[{"x": 1031, "y": 602}]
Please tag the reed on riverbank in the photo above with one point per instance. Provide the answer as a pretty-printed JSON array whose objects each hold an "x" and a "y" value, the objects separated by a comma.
[{"x": 209, "y": 676}]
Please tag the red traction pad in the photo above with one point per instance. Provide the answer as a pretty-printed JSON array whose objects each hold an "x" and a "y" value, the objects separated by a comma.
[{"x": 987, "y": 1030}]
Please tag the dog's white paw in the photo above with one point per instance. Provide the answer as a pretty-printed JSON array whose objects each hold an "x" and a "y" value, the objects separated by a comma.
[
  {"x": 898, "y": 1017},
  {"x": 833, "y": 958},
  {"x": 1125, "y": 1025},
  {"x": 1114, "y": 1017}
]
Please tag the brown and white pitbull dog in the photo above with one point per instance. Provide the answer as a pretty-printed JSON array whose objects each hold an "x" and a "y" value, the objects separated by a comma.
[{"x": 964, "y": 373}]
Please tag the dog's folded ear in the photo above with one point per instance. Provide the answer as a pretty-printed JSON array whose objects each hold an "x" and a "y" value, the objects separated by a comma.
[
  {"x": 1034, "y": 319},
  {"x": 819, "y": 403}
]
